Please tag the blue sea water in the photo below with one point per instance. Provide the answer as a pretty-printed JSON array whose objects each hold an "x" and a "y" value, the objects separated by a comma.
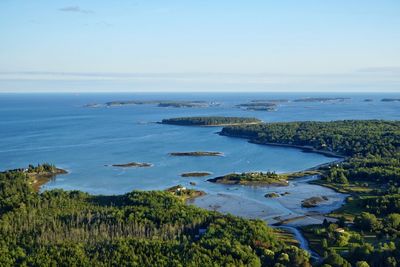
[{"x": 57, "y": 128}]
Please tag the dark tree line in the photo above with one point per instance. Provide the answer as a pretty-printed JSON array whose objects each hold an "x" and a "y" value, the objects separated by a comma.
[{"x": 59, "y": 228}]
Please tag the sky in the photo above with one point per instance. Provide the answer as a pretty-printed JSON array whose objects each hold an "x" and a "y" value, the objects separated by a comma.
[{"x": 204, "y": 45}]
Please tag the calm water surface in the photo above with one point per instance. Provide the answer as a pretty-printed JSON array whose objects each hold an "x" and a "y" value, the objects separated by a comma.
[{"x": 56, "y": 128}]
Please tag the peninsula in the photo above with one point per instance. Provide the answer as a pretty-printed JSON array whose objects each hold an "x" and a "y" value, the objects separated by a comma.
[
  {"x": 369, "y": 172},
  {"x": 185, "y": 193},
  {"x": 39, "y": 175}
]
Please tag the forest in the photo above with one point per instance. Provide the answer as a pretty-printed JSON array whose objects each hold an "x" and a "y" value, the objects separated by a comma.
[
  {"x": 155, "y": 228},
  {"x": 210, "y": 121},
  {"x": 367, "y": 232}
]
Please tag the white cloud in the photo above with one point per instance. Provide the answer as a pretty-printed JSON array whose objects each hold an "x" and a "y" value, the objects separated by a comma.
[{"x": 75, "y": 9}]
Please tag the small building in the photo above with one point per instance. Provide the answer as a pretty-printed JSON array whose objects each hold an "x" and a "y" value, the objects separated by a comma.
[{"x": 339, "y": 230}]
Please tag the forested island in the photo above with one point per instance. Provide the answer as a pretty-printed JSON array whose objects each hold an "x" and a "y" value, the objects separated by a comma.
[
  {"x": 259, "y": 106},
  {"x": 260, "y": 178},
  {"x": 159, "y": 103},
  {"x": 390, "y": 100},
  {"x": 322, "y": 99},
  {"x": 133, "y": 164},
  {"x": 195, "y": 174},
  {"x": 197, "y": 154},
  {"x": 281, "y": 100},
  {"x": 250, "y": 178},
  {"x": 210, "y": 121},
  {"x": 155, "y": 228},
  {"x": 367, "y": 232}
]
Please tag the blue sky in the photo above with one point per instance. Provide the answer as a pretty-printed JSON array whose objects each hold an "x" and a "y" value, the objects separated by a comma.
[{"x": 163, "y": 45}]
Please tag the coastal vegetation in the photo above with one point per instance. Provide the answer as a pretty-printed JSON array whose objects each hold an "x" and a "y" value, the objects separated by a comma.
[
  {"x": 185, "y": 193},
  {"x": 72, "y": 228},
  {"x": 40, "y": 174},
  {"x": 196, "y": 154},
  {"x": 367, "y": 232},
  {"x": 210, "y": 121},
  {"x": 251, "y": 178},
  {"x": 261, "y": 178}
]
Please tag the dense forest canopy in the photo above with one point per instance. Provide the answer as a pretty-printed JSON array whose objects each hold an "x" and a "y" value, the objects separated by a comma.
[
  {"x": 349, "y": 138},
  {"x": 368, "y": 230},
  {"x": 207, "y": 121},
  {"x": 59, "y": 228}
]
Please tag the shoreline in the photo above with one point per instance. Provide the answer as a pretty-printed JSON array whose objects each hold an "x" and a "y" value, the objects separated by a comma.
[
  {"x": 306, "y": 149},
  {"x": 40, "y": 179}
]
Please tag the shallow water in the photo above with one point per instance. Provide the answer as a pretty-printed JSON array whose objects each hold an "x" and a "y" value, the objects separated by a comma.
[{"x": 56, "y": 128}]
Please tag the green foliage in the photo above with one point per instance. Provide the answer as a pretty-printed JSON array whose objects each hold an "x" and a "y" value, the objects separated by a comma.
[
  {"x": 367, "y": 222},
  {"x": 59, "y": 228},
  {"x": 215, "y": 120},
  {"x": 372, "y": 163},
  {"x": 348, "y": 138}
]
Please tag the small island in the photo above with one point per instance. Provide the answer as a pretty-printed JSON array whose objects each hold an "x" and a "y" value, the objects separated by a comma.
[
  {"x": 211, "y": 121},
  {"x": 258, "y": 106},
  {"x": 133, "y": 164},
  {"x": 313, "y": 202},
  {"x": 185, "y": 193},
  {"x": 158, "y": 103},
  {"x": 252, "y": 178},
  {"x": 390, "y": 100},
  {"x": 272, "y": 195},
  {"x": 322, "y": 99},
  {"x": 270, "y": 100},
  {"x": 196, "y": 154},
  {"x": 195, "y": 174}
]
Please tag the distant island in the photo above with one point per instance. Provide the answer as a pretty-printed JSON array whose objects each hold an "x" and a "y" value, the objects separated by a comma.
[
  {"x": 390, "y": 100},
  {"x": 368, "y": 100},
  {"x": 133, "y": 164},
  {"x": 270, "y": 101},
  {"x": 258, "y": 106},
  {"x": 196, "y": 154},
  {"x": 322, "y": 99},
  {"x": 159, "y": 103},
  {"x": 251, "y": 178},
  {"x": 195, "y": 174},
  {"x": 210, "y": 121}
]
